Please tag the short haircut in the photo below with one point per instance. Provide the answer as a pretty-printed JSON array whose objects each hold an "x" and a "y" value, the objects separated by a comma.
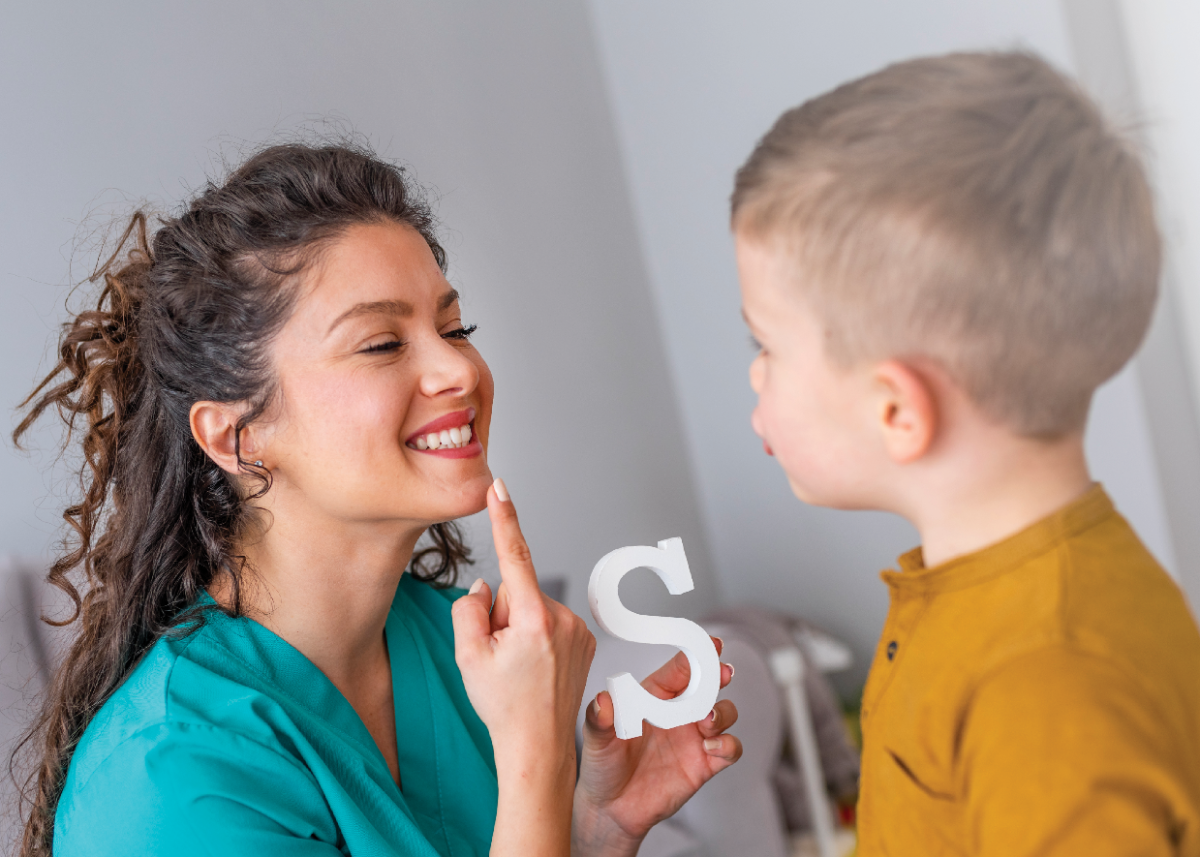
[{"x": 974, "y": 209}]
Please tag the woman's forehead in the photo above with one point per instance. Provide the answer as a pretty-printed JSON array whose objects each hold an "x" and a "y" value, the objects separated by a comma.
[{"x": 375, "y": 267}]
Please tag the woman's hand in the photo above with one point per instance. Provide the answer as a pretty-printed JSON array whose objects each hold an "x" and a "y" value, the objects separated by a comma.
[
  {"x": 626, "y": 787},
  {"x": 524, "y": 666}
]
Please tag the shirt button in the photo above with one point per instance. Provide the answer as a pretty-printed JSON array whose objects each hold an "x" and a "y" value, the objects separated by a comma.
[{"x": 891, "y": 650}]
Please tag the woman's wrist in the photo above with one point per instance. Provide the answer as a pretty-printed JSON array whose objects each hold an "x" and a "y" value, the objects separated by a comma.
[
  {"x": 594, "y": 833},
  {"x": 533, "y": 814},
  {"x": 535, "y": 760}
]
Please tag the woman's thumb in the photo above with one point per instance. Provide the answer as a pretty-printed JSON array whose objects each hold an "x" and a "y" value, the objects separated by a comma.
[{"x": 472, "y": 622}]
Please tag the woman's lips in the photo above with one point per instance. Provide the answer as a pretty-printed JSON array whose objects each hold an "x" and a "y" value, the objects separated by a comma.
[
  {"x": 767, "y": 448},
  {"x": 449, "y": 436},
  {"x": 471, "y": 450}
]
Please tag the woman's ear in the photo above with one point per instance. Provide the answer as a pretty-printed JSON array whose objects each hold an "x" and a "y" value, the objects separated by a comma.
[
  {"x": 214, "y": 426},
  {"x": 908, "y": 413}
]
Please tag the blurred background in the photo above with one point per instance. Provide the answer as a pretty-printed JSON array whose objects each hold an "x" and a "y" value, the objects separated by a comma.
[{"x": 580, "y": 154}]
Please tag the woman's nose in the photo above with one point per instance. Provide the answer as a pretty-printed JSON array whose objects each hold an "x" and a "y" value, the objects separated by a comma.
[{"x": 446, "y": 370}]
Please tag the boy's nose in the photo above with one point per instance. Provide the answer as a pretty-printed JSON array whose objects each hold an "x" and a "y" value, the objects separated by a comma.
[{"x": 756, "y": 373}]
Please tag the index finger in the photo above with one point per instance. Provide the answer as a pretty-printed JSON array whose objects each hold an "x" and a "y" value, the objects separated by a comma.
[{"x": 516, "y": 562}]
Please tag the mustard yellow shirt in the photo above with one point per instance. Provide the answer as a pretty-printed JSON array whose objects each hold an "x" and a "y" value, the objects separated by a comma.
[{"x": 1038, "y": 697}]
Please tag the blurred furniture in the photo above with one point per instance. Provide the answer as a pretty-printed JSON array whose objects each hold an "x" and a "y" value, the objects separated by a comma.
[
  {"x": 788, "y": 668},
  {"x": 830, "y": 761}
]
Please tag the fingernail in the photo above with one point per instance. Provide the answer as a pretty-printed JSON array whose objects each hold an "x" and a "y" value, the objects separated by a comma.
[
  {"x": 731, "y": 671},
  {"x": 721, "y": 642},
  {"x": 712, "y": 716},
  {"x": 500, "y": 489},
  {"x": 476, "y": 586},
  {"x": 596, "y": 706},
  {"x": 712, "y": 744}
]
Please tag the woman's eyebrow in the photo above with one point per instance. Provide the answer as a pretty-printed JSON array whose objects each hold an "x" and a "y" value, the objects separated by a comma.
[{"x": 403, "y": 309}]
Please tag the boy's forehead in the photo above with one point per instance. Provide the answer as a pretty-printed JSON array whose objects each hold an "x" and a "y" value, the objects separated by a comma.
[{"x": 768, "y": 279}]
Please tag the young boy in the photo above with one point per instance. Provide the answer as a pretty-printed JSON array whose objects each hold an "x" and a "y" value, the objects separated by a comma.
[{"x": 942, "y": 261}]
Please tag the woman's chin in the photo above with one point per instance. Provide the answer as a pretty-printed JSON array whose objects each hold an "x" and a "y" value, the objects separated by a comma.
[{"x": 473, "y": 496}]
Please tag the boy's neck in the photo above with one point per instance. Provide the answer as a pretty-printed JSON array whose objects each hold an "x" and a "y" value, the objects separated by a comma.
[{"x": 975, "y": 496}]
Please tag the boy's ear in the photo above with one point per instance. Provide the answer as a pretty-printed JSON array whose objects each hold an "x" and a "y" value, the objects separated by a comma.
[
  {"x": 908, "y": 413},
  {"x": 214, "y": 426}
]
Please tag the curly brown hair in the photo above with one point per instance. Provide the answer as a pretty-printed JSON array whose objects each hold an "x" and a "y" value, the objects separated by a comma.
[{"x": 185, "y": 314}]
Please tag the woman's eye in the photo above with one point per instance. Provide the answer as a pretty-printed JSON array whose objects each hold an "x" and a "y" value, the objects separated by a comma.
[
  {"x": 755, "y": 344},
  {"x": 463, "y": 333},
  {"x": 390, "y": 345}
]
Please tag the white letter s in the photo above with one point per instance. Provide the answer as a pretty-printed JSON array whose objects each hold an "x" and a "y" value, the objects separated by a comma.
[{"x": 631, "y": 702}]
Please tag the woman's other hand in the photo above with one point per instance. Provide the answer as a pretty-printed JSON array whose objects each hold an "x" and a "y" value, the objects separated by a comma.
[
  {"x": 626, "y": 787},
  {"x": 524, "y": 662}
]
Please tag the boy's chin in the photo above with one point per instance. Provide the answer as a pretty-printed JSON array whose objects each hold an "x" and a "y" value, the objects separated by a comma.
[
  {"x": 829, "y": 497},
  {"x": 805, "y": 492}
]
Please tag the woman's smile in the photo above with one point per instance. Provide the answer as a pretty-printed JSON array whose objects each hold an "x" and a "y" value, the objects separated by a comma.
[{"x": 449, "y": 436}]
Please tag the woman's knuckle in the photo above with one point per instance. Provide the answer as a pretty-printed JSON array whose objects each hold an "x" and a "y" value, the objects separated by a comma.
[
  {"x": 518, "y": 551},
  {"x": 542, "y": 622}
]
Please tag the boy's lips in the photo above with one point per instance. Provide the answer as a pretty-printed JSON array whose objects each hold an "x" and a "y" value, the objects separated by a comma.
[{"x": 767, "y": 449}]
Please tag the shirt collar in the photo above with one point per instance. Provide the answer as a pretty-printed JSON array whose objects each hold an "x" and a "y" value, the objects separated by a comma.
[{"x": 1003, "y": 556}]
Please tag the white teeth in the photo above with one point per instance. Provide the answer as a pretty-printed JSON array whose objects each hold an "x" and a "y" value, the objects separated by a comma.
[{"x": 455, "y": 438}]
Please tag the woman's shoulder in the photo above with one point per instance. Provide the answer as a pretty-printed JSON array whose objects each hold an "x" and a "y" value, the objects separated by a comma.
[
  {"x": 186, "y": 687},
  {"x": 164, "y": 785},
  {"x": 191, "y": 721}
]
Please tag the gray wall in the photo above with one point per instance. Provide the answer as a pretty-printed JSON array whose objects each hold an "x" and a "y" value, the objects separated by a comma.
[
  {"x": 582, "y": 155},
  {"x": 499, "y": 107}
]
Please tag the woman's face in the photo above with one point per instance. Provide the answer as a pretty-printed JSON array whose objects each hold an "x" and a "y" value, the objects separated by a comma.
[{"x": 384, "y": 404}]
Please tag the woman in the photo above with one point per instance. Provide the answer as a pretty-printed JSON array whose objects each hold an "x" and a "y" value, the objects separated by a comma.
[{"x": 280, "y": 398}]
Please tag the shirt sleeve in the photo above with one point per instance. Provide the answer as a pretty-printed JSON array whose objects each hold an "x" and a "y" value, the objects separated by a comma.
[
  {"x": 185, "y": 790},
  {"x": 1064, "y": 754}
]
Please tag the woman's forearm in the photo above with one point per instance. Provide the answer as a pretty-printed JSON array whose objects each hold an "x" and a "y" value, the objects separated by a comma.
[{"x": 533, "y": 814}]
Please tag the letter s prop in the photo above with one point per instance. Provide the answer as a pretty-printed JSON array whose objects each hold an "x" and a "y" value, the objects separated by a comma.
[{"x": 631, "y": 702}]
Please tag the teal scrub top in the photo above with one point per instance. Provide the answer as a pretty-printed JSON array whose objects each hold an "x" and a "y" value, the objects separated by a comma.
[{"x": 230, "y": 742}]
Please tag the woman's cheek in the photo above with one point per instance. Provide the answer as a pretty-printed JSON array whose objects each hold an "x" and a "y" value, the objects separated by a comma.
[{"x": 483, "y": 420}]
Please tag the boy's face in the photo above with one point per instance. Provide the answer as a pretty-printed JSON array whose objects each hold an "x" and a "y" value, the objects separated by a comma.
[{"x": 813, "y": 416}]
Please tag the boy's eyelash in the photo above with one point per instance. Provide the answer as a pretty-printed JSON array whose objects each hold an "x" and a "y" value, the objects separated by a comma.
[
  {"x": 461, "y": 333},
  {"x": 755, "y": 344}
]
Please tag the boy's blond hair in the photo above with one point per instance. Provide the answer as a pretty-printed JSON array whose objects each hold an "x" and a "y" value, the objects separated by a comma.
[{"x": 973, "y": 209}]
